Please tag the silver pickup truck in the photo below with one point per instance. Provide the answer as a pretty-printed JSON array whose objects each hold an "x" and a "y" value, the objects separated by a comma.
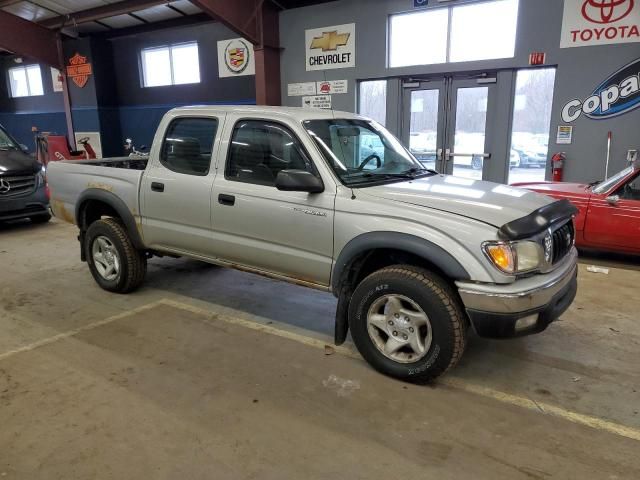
[{"x": 414, "y": 257}]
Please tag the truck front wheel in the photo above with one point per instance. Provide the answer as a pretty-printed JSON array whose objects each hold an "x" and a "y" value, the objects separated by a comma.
[
  {"x": 407, "y": 323},
  {"x": 113, "y": 260}
]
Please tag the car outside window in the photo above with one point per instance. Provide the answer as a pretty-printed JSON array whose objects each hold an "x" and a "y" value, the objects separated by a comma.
[
  {"x": 362, "y": 151},
  {"x": 260, "y": 149},
  {"x": 188, "y": 144}
]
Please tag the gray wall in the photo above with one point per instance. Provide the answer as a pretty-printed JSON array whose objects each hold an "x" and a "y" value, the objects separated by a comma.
[{"x": 579, "y": 71}]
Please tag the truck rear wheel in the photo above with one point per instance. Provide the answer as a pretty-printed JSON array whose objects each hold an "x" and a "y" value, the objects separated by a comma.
[
  {"x": 407, "y": 323},
  {"x": 113, "y": 260}
]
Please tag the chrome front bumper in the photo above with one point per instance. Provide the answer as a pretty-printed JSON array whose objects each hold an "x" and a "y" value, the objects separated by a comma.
[{"x": 494, "y": 309}]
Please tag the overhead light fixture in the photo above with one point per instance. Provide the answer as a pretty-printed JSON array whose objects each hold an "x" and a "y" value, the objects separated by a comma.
[{"x": 17, "y": 59}]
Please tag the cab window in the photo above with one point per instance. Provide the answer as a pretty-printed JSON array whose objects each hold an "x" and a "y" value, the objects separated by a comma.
[
  {"x": 187, "y": 145},
  {"x": 259, "y": 150}
]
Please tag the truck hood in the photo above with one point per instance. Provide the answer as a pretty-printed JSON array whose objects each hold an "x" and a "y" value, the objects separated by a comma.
[
  {"x": 14, "y": 162},
  {"x": 488, "y": 202},
  {"x": 556, "y": 187}
]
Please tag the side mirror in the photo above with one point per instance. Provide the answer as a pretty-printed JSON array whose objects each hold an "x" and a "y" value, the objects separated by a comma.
[
  {"x": 24, "y": 148},
  {"x": 613, "y": 199},
  {"x": 298, "y": 181}
]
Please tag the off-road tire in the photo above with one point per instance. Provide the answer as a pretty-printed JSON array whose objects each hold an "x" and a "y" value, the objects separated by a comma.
[
  {"x": 437, "y": 299},
  {"x": 133, "y": 263}
]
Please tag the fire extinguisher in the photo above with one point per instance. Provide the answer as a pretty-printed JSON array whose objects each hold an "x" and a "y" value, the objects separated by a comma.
[{"x": 557, "y": 165}]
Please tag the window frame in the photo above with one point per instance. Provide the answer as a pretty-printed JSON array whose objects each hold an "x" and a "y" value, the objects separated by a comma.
[
  {"x": 26, "y": 75},
  {"x": 213, "y": 142},
  {"x": 450, "y": 9},
  {"x": 169, "y": 47},
  {"x": 296, "y": 137}
]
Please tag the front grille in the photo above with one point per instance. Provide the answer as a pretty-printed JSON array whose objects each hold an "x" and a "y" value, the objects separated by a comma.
[
  {"x": 562, "y": 239},
  {"x": 11, "y": 186}
]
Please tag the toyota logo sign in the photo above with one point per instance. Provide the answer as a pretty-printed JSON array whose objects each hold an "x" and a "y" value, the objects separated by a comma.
[
  {"x": 600, "y": 22},
  {"x": 606, "y": 11}
]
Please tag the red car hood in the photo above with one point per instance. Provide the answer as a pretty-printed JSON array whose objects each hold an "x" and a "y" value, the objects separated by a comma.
[{"x": 556, "y": 187}]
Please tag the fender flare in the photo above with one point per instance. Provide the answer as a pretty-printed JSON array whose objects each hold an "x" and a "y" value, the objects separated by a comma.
[
  {"x": 398, "y": 241},
  {"x": 118, "y": 205}
]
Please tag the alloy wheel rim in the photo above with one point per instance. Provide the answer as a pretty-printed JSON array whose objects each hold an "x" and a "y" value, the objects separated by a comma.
[
  {"x": 399, "y": 328},
  {"x": 105, "y": 258}
]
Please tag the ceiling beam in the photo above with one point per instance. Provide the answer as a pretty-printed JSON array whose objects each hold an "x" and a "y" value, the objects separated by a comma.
[
  {"x": 23, "y": 37},
  {"x": 239, "y": 15},
  {"x": 92, "y": 14}
]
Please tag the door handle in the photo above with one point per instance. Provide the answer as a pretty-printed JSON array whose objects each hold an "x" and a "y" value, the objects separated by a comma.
[
  {"x": 157, "y": 186},
  {"x": 224, "y": 199}
]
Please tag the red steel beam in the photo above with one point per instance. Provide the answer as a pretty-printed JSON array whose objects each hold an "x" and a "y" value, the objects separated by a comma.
[
  {"x": 239, "y": 15},
  {"x": 23, "y": 37},
  {"x": 98, "y": 13}
]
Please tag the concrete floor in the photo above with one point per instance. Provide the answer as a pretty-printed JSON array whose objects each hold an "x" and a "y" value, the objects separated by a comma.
[{"x": 168, "y": 382}]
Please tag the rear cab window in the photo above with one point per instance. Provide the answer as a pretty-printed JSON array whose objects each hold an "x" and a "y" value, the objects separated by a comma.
[{"x": 188, "y": 144}]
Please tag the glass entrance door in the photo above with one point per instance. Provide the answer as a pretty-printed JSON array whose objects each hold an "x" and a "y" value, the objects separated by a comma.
[{"x": 444, "y": 124}]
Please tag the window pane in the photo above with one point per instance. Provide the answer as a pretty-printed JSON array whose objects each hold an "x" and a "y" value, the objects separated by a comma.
[
  {"x": 483, "y": 31},
  {"x": 419, "y": 38},
  {"x": 188, "y": 144},
  {"x": 471, "y": 122},
  {"x": 35, "y": 80},
  {"x": 531, "y": 121},
  {"x": 423, "y": 130},
  {"x": 186, "y": 67},
  {"x": 373, "y": 100},
  {"x": 156, "y": 67},
  {"x": 18, "y": 81},
  {"x": 260, "y": 150}
]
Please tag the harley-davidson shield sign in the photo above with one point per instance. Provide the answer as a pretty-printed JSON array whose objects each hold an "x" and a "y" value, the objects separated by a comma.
[{"x": 79, "y": 70}]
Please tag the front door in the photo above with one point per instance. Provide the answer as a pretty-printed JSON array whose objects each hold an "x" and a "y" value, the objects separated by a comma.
[
  {"x": 445, "y": 123},
  {"x": 259, "y": 226},
  {"x": 175, "y": 191},
  {"x": 614, "y": 221}
]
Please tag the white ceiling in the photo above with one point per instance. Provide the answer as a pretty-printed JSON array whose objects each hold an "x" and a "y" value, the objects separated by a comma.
[{"x": 39, "y": 10}]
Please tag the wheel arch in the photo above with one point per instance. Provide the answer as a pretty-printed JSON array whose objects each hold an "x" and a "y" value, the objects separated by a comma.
[
  {"x": 369, "y": 252},
  {"x": 95, "y": 203}
]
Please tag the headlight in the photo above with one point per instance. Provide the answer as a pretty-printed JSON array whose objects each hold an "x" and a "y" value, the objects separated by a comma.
[{"x": 514, "y": 257}]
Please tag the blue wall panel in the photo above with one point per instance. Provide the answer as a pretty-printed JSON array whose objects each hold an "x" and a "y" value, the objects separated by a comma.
[{"x": 19, "y": 125}]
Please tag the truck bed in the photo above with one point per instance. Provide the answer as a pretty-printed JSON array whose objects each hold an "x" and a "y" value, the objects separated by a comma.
[{"x": 119, "y": 176}]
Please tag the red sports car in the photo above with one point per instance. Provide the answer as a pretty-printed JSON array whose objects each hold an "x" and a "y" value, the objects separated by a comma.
[{"x": 609, "y": 217}]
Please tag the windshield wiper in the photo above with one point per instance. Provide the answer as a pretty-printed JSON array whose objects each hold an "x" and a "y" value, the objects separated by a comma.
[
  {"x": 593, "y": 184},
  {"x": 416, "y": 171}
]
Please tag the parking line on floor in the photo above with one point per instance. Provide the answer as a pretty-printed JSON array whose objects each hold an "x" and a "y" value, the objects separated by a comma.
[
  {"x": 449, "y": 381},
  {"x": 75, "y": 331}
]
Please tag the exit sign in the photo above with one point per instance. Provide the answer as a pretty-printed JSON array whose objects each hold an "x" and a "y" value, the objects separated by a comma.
[
  {"x": 537, "y": 58},
  {"x": 420, "y": 3}
]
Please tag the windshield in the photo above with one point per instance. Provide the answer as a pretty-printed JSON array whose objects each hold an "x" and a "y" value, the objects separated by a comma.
[
  {"x": 362, "y": 151},
  {"x": 612, "y": 181},
  {"x": 6, "y": 142}
]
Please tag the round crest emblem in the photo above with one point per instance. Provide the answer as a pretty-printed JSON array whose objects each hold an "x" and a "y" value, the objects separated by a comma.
[{"x": 236, "y": 56}]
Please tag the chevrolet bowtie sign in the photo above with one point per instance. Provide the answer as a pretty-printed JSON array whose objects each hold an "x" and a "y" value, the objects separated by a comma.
[{"x": 331, "y": 47}]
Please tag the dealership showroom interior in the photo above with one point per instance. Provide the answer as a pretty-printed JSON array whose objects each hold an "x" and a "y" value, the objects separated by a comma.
[{"x": 348, "y": 239}]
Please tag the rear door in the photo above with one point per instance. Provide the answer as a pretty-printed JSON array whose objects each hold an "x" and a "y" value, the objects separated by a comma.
[
  {"x": 613, "y": 223},
  {"x": 257, "y": 225},
  {"x": 176, "y": 187}
]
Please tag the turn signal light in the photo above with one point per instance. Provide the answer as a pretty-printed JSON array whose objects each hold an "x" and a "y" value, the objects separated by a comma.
[{"x": 501, "y": 255}]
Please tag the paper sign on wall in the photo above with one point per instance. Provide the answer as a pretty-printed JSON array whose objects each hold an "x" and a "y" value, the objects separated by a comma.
[
  {"x": 235, "y": 58},
  {"x": 298, "y": 89},
  {"x": 332, "y": 87},
  {"x": 600, "y": 22},
  {"x": 56, "y": 79},
  {"x": 317, "y": 101},
  {"x": 565, "y": 135},
  {"x": 94, "y": 141},
  {"x": 330, "y": 47}
]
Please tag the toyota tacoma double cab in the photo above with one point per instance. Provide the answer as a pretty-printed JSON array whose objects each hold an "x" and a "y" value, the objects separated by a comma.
[{"x": 415, "y": 258}]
